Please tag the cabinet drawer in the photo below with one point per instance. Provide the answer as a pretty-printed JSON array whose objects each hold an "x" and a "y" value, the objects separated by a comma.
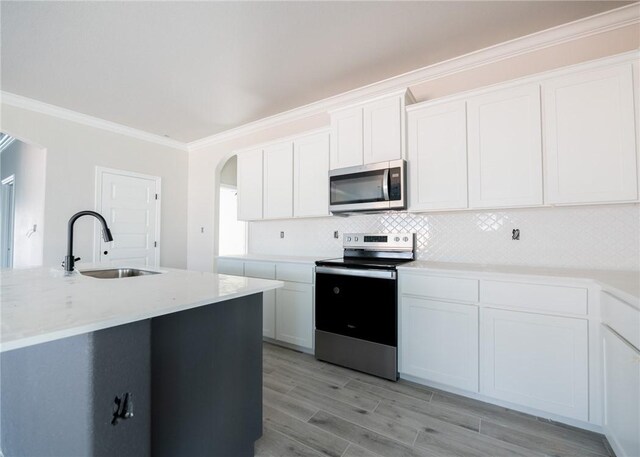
[
  {"x": 536, "y": 297},
  {"x": 458, "y": 289},
  {"x": 230, "y": 267},
  {"x": 294, "y": 272},
  {"x": 621, "y": 317},
  {"x": 264, "y": 270}
]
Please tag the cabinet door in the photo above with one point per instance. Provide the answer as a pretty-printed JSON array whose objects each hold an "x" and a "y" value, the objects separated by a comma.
[
  {"x": 383, "y": 130},
  {"x": 269, "y": 314},
  {"x": 311, "y": 176},
  {"x": 265, "y": 270},
  {"x": 621, "y": 394},
  {"x": 438, "y": 157},
  {"x": 505, "y": 151},
  {"x": 440, "y": 342},
  {"x": 278, "y": 181},
  {"x": 346, "y": 138},
  {"x": 535, "y": 360},
  {"x": 590, "y": 143},
  {"x": 294, "y": 314},
  {"x": 249, "y": 177},
  {"x": 230, "y": 267}
]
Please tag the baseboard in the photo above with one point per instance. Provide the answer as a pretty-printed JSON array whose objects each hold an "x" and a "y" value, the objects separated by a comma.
[
  {"x": 523, "y": 409},
  {"x": 288, "y": 345}
]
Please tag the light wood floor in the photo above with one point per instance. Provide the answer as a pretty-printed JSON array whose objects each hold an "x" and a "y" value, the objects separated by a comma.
[{"x": 313, "y": 408}]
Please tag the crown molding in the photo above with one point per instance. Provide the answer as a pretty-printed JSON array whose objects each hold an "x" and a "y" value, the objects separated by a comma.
[
  {"x": 37, "y": 106},
  {"x": 592, "y": 25}
]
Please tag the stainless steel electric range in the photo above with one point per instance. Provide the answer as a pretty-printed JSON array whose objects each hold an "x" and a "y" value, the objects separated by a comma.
[{"x": 357, "y": 303}]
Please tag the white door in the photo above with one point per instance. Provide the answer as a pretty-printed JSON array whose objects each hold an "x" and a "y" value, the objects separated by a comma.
[
  {"x": 278, "y": 181},
  {"x": 590, "y": 142},
  {"x": 438, "y": 157},
  {"x": 249, "y": 179},
  {"x": 505, "y": 148},
  {"x": 311, "y": 176},
  {"x": 130, "y": 204},
  {"x": 383, "y": 130},
  {"x": 346, "y": 138},
  {"x": 440, "y": 342},
  {"x": 535, "y": 360}
]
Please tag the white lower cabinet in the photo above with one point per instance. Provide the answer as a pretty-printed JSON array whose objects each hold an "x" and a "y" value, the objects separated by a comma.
[
  {"x": 536, "y": 360},
  {"x": 440, "y": 342},
  {"x": 269, "y": 314},
  {"x": 621, "y": 394},
  {"x": 294, "y": 314},
  {"x": 287, "y": 313},
  {"x": 265, "y": 270}
]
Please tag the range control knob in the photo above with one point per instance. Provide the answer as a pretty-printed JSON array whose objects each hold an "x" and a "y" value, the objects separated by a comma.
[
  {"x": 397, "y": 238},
  {"x": 348, "y": 238},
  {"x": 405, "y": 239},
  {"x": 356, "y": 238}
]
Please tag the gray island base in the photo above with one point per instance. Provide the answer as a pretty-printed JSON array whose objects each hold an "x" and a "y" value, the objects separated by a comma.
[{"x": 194, "y": 379}]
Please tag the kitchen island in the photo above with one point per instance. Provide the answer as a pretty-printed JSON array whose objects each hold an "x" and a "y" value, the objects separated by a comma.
[{"x": 161, "y": 364}]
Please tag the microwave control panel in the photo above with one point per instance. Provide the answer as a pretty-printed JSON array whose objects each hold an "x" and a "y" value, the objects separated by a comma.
[{"x": 395, "y": 184}]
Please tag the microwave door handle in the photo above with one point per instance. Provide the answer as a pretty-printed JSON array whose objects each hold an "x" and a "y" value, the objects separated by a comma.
[{"x": 385, "y": 185}]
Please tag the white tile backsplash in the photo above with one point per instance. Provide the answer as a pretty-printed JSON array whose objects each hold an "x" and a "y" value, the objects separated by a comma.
[{"x": 589, "y": 237}]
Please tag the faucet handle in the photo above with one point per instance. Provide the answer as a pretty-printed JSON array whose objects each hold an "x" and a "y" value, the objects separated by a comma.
[{"x": 76, "y": 259}]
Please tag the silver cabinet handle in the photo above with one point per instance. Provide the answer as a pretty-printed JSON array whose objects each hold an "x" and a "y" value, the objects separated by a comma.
[{"x": 381, "y": 274}]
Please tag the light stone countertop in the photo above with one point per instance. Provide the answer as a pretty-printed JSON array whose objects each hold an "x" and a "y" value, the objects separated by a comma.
[
  {"x": 43, "y": 304},
  {"x": 277, "y": 258},
  {"x": 623, "y": 284}
]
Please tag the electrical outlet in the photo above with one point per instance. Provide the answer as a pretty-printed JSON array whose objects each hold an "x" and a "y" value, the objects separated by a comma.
[
  {"x": 335, "y": 234},
  {"x": 281, "y": 234}
]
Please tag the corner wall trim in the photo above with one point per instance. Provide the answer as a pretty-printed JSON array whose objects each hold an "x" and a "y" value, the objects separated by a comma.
[
  {"x": 592, "y": 25},
  {"x": 37, "y": 106},
  {"x": 581, "y": 28}
]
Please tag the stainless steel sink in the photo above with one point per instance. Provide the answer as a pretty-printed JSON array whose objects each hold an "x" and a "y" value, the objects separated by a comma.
[{"x": 114, "y": 273}]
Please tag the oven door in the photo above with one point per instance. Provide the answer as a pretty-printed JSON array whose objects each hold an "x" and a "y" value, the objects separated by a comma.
[{"x": 357, "y": 303}]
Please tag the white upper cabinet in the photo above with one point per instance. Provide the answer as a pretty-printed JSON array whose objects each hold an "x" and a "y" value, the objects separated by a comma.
[
  {"x": 383, "y": 130},
  {"x": 249, "y": 178},
  {"x": 437, "y": 157},
  {"x": 590, "y": 145},
  {"x": 278, "y": 181},
  {"x": 346, "y": 138},
  {"x": 505, "y": 151},
  {"x": 311, "y": 176},
  {"x": 369, "y": 132}
]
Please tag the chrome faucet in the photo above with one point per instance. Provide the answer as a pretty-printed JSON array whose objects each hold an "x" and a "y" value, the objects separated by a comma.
[{"x": 69, "y": 260}]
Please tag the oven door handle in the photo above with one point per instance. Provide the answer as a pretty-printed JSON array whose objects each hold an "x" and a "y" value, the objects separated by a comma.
[{"x": 379, "y": 274}]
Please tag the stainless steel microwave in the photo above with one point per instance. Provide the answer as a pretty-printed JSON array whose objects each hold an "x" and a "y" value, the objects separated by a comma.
[{"x": 374, "y": 187}]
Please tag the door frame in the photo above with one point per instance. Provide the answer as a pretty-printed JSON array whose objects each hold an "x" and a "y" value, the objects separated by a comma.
[
  {"x": 8, "y": 219},
  {"x": 98, "y": 207}
]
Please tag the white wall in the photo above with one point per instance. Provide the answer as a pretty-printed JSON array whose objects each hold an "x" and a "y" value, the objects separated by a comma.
[
  {"x": 205, "y": 167},
  {"x": 228, "y": 175},
  {"x": 73, "y": 152},
  {"x": 584, "y": 237},
  {"x": 27, "y": 164},
  {"x": 206, "y": 162}
]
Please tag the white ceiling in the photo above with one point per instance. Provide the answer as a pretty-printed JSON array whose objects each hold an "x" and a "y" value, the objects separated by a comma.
[{"x": 192, "y": 69}]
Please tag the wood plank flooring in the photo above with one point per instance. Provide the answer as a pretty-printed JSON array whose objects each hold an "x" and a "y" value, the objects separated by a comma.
[{"x": 314, "y": 409}]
